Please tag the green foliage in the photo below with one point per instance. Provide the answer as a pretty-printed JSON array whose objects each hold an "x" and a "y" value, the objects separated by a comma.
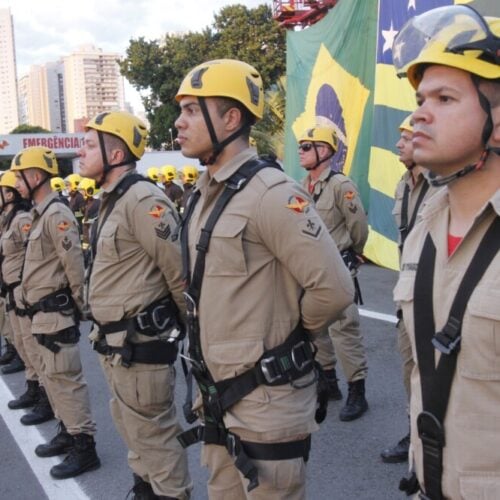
[
  {"x": 157, "y": 67},
  {"x": 29, "y": 129}
]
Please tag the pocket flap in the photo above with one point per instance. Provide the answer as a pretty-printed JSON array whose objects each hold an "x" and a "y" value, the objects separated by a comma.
[
  {"x": 229, "y": 226},
  {"x": 485, "y": 303}
]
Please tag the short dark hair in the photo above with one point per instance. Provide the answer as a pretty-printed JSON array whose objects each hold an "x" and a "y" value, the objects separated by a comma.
[
  {"x": 112, "y": 142},
  {"x": 224, "y": 104}
]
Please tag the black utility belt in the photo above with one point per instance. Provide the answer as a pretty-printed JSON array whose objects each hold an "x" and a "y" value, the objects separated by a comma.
[
  {"x": 58, "y": 301},
  {"x": 69, "y": 335},
  {"x": 157, "y": 318},
  {"x": 155, "y": 352}
]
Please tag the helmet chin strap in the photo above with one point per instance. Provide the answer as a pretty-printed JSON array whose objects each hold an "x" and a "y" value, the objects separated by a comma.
[
  {"x": 32, "y": 190},
  {"x": 217, "y": 145},
  {"x": 319, "y": 161},
  {"x": 106, "y": 167},
  {"x": 438, "y": 181}
]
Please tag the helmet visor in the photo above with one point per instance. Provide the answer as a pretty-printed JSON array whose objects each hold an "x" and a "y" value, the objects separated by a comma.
[{"x": 456, "y": 29}]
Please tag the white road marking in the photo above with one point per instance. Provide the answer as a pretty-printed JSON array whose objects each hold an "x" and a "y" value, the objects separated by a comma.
[
  {"x": 27, "y": 438},
  {"x": 390, "y": 318}
]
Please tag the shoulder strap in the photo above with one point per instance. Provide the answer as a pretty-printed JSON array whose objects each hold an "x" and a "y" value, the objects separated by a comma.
[
  {"x": 406, "y": 226},
  {"x": 436, "y": 382},
  {"x": 330, "y": 175}
]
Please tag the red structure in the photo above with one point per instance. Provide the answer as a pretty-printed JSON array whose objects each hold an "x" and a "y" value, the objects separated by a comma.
[{"x": 300, "y": 13}]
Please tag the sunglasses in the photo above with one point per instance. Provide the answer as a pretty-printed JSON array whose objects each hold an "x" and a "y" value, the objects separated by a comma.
[{"x": 306, "y": 147}]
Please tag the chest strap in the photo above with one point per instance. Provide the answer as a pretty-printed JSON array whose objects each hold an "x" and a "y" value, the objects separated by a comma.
[
  {"x": 407, "y": 225},
  {"x": 436, "y": 381}
]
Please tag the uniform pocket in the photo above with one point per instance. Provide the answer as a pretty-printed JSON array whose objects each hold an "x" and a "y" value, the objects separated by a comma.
[
  {"x": 34, "y": 250},
  {"x": 66, "y": 361},
  {"x": 155, "y": 386},
  {"x": 480, "y": 354},
  {"x": 226, "y": 256},
  {"x": 107, "y": 247}
]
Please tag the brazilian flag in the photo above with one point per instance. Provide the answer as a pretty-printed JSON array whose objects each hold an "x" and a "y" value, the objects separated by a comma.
[{"x": 340, "y": 73}]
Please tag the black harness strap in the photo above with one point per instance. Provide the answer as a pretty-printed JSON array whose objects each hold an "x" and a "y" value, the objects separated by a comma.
[
  {"x": 317, "y": 196},
  {"x": 436, "y": 382},
  {"x": 406, "y": 226}
]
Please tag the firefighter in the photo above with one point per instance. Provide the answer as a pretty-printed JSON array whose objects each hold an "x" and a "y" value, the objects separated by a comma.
[
  {"x": 172, "y": 190},
  {"x": 339, "y": 205},
  {"x": 135, "y": 297},
  {"x": 411, "y": 193},
  {"x": 12, "y": 249},
  {"x": 449, "y": 284},
  {"x": 52, "y": 296},
  {"x": 188, "y": 175},
  {"x": 263, "y": 278}
]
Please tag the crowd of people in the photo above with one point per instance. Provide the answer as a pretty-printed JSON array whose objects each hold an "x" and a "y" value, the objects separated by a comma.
[{"x": 157, "y": 270}]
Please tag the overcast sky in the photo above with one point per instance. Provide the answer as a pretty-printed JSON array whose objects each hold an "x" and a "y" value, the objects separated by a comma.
[{"x": 45, "y": 30}]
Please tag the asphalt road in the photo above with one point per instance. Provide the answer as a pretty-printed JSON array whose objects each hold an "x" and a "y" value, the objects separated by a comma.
[{"x": 344, "y": 462}]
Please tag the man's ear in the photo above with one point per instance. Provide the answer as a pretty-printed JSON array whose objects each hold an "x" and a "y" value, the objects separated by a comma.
[{"x": 232, "y": 119}]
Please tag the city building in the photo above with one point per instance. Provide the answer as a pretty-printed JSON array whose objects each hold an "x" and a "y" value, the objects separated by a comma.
[
  {"x": 92, "y": 84},
  {"x": 9, "y": 117}
]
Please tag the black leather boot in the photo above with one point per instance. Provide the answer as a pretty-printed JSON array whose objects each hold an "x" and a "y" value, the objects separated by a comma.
[
  {"x": 61, "y": 443},
  {"x": 16, "y": 365},
  {"x": 142, "y": 490},
  {"x": 398, "y": 453},
  {"x": 81, "y": 458},
  {"x": 9, "y": 353},
  {"x": 42, "y": 411},
  {"x": 28, "y": 399},
  {"x": 332, "y": 385},
  {"x": 356, "y": 403}
]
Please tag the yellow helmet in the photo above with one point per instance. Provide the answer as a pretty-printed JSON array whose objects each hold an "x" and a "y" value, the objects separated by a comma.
[
  {"x": 73, "y": 180},
  {"x": 189, "y": 173},
  {"x": 226, "y": 78},
  {"x": 126, "y": 126},
  {"x": 321, "y": 134},
  {"x": 455, "y": 36},
  {"x": 153, "y": 173},
  {"x": 57, "y": 184},
  {"x": 406, "y": 124},
  {"x": 35, "y": 157},
  {"x": 8, "y": 179},
  {"x": 168, "y": 172},
  {"x": 88, "y": 188}
]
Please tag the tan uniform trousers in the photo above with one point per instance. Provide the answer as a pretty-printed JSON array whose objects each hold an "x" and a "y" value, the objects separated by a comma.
[
  {"x": 143, "y": 411},
  {"x": 66, "y": 388},
  {"x": 5, "y": 326},
  {"x": 407, "y": 361},
  {"x": 26, "y": 345},
  {"x": 278, "y": 479},
  {"x": 343, "y": 337}
]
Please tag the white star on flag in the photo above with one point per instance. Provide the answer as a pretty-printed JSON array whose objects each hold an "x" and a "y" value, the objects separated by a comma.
[
  {"x": 389, "y": 36},
  {"x": 411, "y": 3}
]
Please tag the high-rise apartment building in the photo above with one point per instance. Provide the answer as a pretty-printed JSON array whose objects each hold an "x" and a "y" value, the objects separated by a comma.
[
  {"x": 41, "y": 97},
  {"x": 92, "y": 84},
  {"x": 9, "y": 117}
]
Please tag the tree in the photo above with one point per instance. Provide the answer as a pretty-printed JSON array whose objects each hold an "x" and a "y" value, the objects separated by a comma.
[
  {"x": 24, "y": 128},
  {"x": 157, "y": 68}
]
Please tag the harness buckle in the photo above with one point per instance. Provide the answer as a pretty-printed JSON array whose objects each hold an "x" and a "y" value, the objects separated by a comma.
[
  {"x": 63, "y": 303},
  {"x": 300, "y": 365},
  {"x": 231, "y": 444},
  {"x": 190, "y": 305},
  {"x": 157, "y": 321},
  {"x": 265, "y": 366},
  {"x": 142, "y": 320},
  {"x": 448, "y": 339}
]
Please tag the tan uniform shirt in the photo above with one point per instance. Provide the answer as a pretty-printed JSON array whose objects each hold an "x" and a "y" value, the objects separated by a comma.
[
  {"x": 268, "y": 245},
  {"x": 471, "y": 456},
  {"x": 415, "y": 189},
  {"x": 12, "y": 243},
  {"x": 340, "y": 208},
  {"x": 137, "y": 262},
  {"x": 54, "y": 260}
]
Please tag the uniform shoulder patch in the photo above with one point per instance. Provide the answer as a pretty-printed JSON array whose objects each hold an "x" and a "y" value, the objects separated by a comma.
[
  {"x": 298, "y": 204},
  {"x": 156, "y": 211},
  {"x": 163, "y": 230},
  {"x": 311, "y": 227},
  {"x": 66, "y": 243},
  {"x": 349, "y": 195},
  {"x": 25, "y": 228},
  {"x": 64, "y": 225}
]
